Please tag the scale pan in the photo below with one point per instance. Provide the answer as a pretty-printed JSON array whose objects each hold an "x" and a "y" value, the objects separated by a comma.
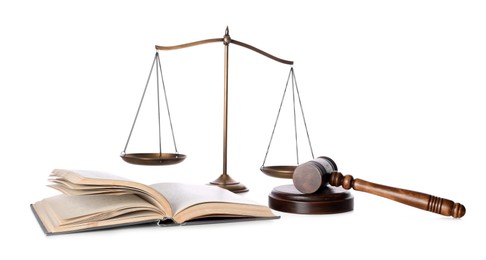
[
  {"x": 153, "y": 158},
  {"x": 279, "y": 171}
]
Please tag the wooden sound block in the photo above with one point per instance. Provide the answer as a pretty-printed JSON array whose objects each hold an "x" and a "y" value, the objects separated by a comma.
[{"x": 330, "y": 200}]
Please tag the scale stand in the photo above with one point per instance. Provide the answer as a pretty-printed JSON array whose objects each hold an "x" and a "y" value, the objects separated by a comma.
[
  {"x": 283, "y": 198},
  {"x": 224, "y": 180}
]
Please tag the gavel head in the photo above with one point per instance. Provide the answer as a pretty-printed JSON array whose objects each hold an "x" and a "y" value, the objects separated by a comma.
[{"x": 313, "y": 176}]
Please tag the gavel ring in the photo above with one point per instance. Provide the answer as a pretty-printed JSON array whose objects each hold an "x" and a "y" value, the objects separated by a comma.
[{"x": 314, "y": 175}]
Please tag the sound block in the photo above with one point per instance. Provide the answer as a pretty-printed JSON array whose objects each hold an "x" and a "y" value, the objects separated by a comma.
[{"x": 287, "y": 198}]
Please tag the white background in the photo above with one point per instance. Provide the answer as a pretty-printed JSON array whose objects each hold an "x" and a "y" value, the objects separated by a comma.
[{"x": 392, "y": 91}]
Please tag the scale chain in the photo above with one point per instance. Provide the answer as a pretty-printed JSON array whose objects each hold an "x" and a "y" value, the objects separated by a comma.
[
  {"x": 303, "y": 117},
  {"x": 158, "y": 103},
  {"x": 156, "y": 62},
  {"x": 140, "y": 105},
  {"x": 295, "y": 117},
  {"x": 295, "y": 89},
  {"x": 278, "y": 115},
  {"x": 167, "y": 105}
]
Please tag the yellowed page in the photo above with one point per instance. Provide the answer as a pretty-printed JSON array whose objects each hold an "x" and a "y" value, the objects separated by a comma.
[
  {"x": 208, "y": 201},
  {"x": 72, "y": 207},
  {"x": 52, "y": 210},
  {"x": 91, "y": 179},
  {"x": 68, "y": 191},
  {"x": 222, "y": 209}
]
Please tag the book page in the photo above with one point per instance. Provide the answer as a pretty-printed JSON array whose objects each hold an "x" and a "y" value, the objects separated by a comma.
[
  {"x": 75, "y": 209},
  {"x": 192, "y": 202},
  {"x": 92, "y": 180},
  {"x": 182, "y": 196},
  {"x": 64, "y": 213},
  {"x": 99, "y": 175}
]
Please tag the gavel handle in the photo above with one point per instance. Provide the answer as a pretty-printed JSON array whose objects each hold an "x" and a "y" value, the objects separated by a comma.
[{"x": 412, "y": 198}]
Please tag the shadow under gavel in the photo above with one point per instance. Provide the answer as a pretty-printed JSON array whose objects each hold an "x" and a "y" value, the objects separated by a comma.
[{"x": 313, "y": 176}]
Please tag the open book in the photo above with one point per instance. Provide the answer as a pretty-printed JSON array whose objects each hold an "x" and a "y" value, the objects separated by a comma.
[{"x": 95, "y": 200}]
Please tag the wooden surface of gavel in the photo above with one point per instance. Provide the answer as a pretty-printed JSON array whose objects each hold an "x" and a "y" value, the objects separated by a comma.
[{"x": 313, "y": 176}]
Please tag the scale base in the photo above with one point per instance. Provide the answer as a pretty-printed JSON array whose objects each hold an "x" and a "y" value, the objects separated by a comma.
[
  {"x": 331, "y": 200},
  {"x": 226, "y": 182}
]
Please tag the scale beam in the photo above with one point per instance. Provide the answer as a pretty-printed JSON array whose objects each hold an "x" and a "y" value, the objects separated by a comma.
[
  {"x": 224, "y": 180},
  {"x": 242, "y": 44},
  {"x": 187, "y": 45}
]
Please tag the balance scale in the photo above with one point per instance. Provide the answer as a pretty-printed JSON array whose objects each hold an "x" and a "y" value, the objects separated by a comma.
[{"x": 283, "y": 198}]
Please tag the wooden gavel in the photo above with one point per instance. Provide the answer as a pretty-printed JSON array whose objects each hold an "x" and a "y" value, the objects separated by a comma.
[{"x": 313, "y": 176}]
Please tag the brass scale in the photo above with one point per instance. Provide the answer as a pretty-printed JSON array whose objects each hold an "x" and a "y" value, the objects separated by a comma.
[{"x": 224, "y": 180}]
